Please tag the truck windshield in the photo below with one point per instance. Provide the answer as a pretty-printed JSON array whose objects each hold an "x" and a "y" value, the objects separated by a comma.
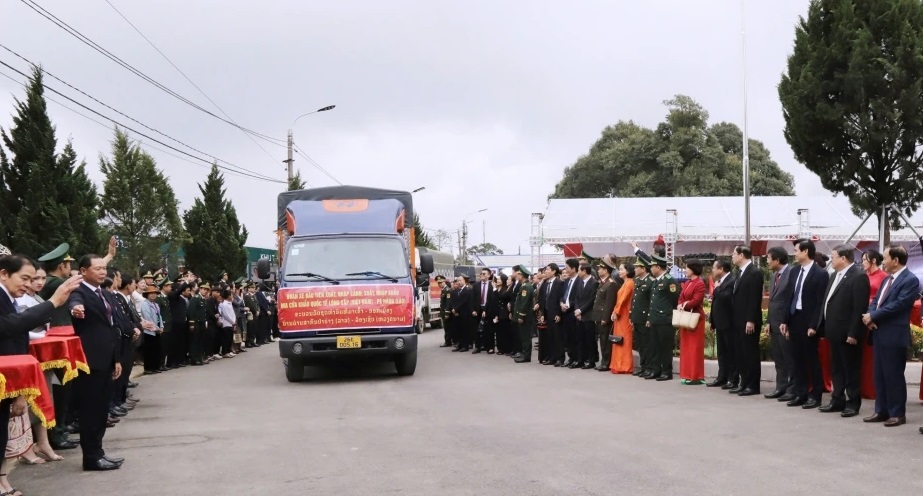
[{"x": 335, "y": 258}]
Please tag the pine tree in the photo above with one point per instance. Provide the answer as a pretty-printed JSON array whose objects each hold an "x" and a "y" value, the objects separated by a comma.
[
  {"x": 296, "y": 182},
  {"x": 138, "y": 205},
  {"x": 82, "y": 198},
  {"x": 420, "y": 237},
  {"x": 31, "y": 143},
  {"x": 216, "y": 237}
]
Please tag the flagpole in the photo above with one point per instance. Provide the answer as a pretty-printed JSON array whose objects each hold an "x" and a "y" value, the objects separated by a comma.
[{"x": 746, "y": 138}]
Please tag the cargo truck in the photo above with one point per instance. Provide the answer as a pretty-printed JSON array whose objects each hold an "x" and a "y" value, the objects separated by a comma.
[{"x": 348, "y": 273}]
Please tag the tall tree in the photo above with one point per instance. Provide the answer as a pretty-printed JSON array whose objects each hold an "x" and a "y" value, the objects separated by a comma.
[
  {"x": 79, "y": 193},
  {"x": 683, "y": 156},
  {"x": 296, "y": 182},
  {"x": 852, "y": 101},
  {"x": 138, "y": 205},
  {"x": 31, "y": 143},
  {"x": 216, "y": 236},
  {"x": 421, "y": 238}
]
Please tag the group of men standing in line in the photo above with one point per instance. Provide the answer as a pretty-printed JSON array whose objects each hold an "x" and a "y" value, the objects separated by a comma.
[{"x": 569, "y": 310}]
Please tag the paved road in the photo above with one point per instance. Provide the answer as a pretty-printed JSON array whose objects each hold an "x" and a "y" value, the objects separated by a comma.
[{"x": 476, "y": 425}]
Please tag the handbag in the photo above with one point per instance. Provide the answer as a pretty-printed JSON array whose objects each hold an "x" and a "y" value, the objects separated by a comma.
[{"x": 685, "y": 319}]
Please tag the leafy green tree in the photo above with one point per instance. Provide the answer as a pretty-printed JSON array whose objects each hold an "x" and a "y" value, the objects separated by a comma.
[
  {"x": 485, "y": 249},
  {"x": 683, "y": 156},
  {"x": 296, "y": 182},
  {"x": 421, "y": 238},
  {"x": 852, "y": 104},
  {"x": 138, "y": 205},
  {"x": 216, "y": 236},
  {"x": 80, "y": 195}
]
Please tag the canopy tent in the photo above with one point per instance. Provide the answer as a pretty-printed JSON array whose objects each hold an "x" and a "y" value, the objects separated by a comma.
[{"x": 708, "y": 224}]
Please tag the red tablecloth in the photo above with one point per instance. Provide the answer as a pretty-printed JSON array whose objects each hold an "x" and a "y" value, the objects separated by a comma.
[
  {"x": 61, "y": 331},
  {"x": 60, "y": 352},
  {"x": 22, "y": 375}
]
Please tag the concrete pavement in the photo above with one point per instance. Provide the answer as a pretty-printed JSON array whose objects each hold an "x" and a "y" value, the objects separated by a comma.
[{"x": 476, "y": 425}]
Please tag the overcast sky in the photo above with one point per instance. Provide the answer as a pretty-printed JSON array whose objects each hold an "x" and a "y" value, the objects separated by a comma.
[{"x": 482, "y": 102}]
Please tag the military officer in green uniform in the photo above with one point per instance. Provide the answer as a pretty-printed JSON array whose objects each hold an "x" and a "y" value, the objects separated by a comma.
[
  {"x": 445, "y": 313},
  {"x": 57, "y": 265},
  {"x": 196, "y": 316},
  {"x": 523, "y": 315},
  {"x": 166, "y": 340},
  {"x": 640, "y": 306},
  {"x": 664, "y": 298}
]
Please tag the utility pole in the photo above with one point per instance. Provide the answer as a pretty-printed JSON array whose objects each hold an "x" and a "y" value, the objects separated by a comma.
[
  {"x": 484, "y": 231},
  {"x": 464, "y": 243},
  {"x": 291, "y": 159}
]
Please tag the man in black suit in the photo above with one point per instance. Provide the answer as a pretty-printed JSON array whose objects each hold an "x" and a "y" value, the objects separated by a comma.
[
  {"x": 568, "y": 305},
  {"x": 461, "y": 314},
  {"x": 747, "y": 318},
  {"x": 587, "y": 351},
  {"x": 94, "y": 323},
  {"x": 781, "y": 349},
  {"x": 806, "y": 300},
  {"x": 483, "y": 294},
  {"x": 846, "y": 299},
  {"x": 721, "y": 319},
  {"x": 550, "y": 306}
]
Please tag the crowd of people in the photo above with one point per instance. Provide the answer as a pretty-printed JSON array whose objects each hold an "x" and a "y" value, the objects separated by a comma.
[
  {"x": 592, "y": 314},
  {"x": 121, "y": 321}
]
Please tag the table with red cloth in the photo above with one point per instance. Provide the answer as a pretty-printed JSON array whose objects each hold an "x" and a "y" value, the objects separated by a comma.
[
  {"x": 22, "y": 375},
  {"x": 60, "y": 352},
  {"x": 61, "y": 331}
]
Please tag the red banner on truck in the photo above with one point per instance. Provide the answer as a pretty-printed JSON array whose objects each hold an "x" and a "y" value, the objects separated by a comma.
[{"x": 321, "y": 308}]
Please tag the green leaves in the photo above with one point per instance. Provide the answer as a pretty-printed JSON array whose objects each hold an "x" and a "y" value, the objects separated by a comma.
[
  {"x": 852, "y": 99},
  {"x": 421, "y": 238},
  {"x": 138, "y": 205},
  {"x": 296, "y": 182},
  {"x": 683, "y": 156},
  {"x": 216, "y": 237}
]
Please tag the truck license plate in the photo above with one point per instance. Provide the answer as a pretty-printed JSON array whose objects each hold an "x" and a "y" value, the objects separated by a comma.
[{"x": 349, "y": 342}]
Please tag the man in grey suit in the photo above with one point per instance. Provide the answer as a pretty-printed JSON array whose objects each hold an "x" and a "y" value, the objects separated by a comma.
[{"x": 778, "y": 306}]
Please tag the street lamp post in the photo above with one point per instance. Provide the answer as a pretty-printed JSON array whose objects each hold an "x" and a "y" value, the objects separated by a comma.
[
  {"x": 464, "y": 235},
  {"x": 291, "y": 159},
  {"x": 746, "y": 144}
]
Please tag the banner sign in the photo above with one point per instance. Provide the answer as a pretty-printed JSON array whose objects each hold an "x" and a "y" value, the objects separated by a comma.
[{"x": 322, "y": 308}]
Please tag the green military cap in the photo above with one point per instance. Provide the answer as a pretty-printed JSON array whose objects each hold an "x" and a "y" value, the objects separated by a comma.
[
  {"x": 522, "y": 269},
  {"x": 239, "y": 280},
  {"x": 658, "y": 260},
  {"x": 440, "y": 278},
  {"x": 148, "y": 275},
  {"x": 57, "y": 255},
  {"x": 640, "y": 262},
  {"x": 164, "y": 283},
  {"x": 205, "y": 286},
  {"x": 586, "y": 255}
]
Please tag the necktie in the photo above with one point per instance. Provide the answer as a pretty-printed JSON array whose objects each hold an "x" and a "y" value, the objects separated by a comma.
[
  {"x": 797, "y": 294},
  {"x": 739, "y": 277},
  {"x": 106, "y": 304},
  {"x": 884, "y": 290},
  {"x": 483, "y": 294},
  {"x": 548, "y": 291},
  {"x": 776, "y": 283}
]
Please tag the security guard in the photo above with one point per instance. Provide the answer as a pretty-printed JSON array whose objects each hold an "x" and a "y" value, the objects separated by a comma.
[
  {"x": 664, "y": 298},
  {"x": 640, "y": 306},
  {"x": 57, "y": 264},
  {"x": 445, "y": 296},
  {"x": 523, "y": 314},
  {"x": 195, "y": 314}
]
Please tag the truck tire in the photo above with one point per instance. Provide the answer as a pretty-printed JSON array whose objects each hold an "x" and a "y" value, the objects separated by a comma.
[
  {"x": 406, "y": 363},
  {"x": 294, "y": 370},
  {"x": 421, "y": 324}
]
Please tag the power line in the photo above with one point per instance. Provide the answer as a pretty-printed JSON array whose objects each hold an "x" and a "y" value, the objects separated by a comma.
[
  {"x": 128, "y": 116},
  {"x": 151, "y": 43},
  {"x": 95, "y": 46},
  {"x": 262, "y": 178},
  {"x": 314, "y": 163}
]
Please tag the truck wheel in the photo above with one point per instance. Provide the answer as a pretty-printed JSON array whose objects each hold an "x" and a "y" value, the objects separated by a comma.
[
  {"x": 421, "y": 324},
  {"x": 294, "y": 370},
  {"x": 406, "y": 363}
]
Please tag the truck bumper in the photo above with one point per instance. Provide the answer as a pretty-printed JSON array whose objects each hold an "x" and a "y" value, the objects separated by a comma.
[{"x": 326, "y": 346}]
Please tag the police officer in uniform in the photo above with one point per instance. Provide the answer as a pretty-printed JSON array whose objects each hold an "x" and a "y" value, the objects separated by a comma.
[
  {"x": 445, "y": 298},
  {"x": 640, "y": 306},
  {"x": 664, "y": 298},
  {"x": 57, "y": 264},
  {"x": 196, "y": 316},
  {"x": 523, "y": 314}
]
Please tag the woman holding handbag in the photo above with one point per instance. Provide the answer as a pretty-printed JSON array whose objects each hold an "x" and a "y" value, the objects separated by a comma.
[
  {"x": 622, "y": 361},
  {"x": 692, "y": 338}
]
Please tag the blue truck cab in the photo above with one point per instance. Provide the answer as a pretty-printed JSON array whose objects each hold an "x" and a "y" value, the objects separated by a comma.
[{"x": 347, "y": 277}]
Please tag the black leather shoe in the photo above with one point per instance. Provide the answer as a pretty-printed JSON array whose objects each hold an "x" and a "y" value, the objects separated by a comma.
[
  {"x": 875, "y": 417},
  {"x": 775, "y": 394},
  {"x": 748, "y": 392},
  {"x": 831, "y": 408},
  {"x": 573, "y": 365},
  {"x": 650, "y": 376},
  {"x": 665, "y": 377},
  {"x": 786, "y": 397},
  {"x": 602, "y": 369},
  {"x": 100, "y": 465},
  {"x": 735, "y": 390},
  {"x": 476, "y": 351},
  {"x": 716, "y": 383},
  {"x": 132, "y": 384},
  {"x": 522, "y": 360},
  {"x": 117, "y": 413},
  {"x": 64, "y": 445},
  {"x": 589, "y": 365},
  {"x": 729, "y": 385},
  {"x": 797, "y": 402},
  {"x": 637, "y": 372},
  {"x": 114, "y": 459},
  {"x": 811, "y": 403},
  {"x": 849, "y": 412},
  {"x": 441, "y": 346},
  {"x": 559, "y": 363}
]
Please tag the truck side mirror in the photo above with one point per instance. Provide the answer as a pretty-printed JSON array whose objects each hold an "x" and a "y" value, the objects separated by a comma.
[
  {"x": 426, "y": 263},
  {"x": 422, "y": 280},
  {"x": 262, "y": 268}
]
